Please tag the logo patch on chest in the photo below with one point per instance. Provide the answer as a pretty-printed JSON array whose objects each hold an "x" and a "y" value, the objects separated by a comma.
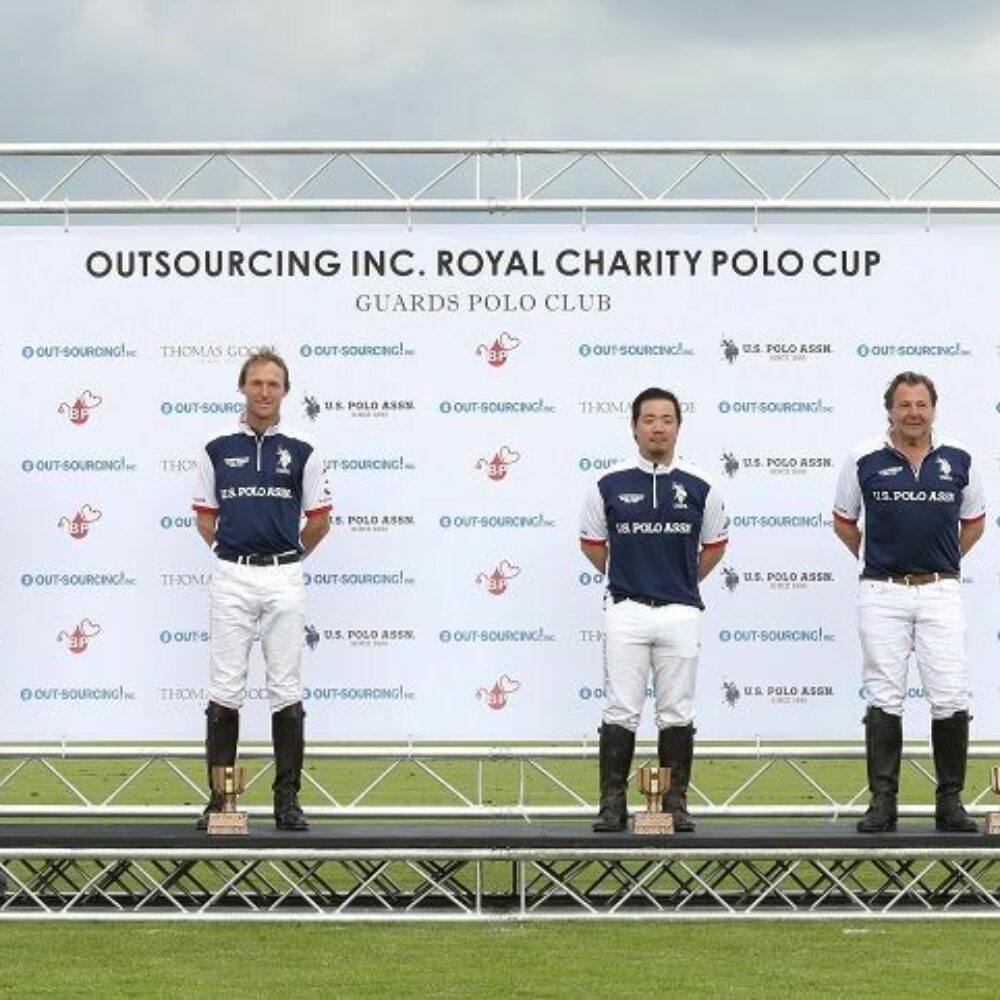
[
  {"x": 238, "y": 462},
  {"x": 631, "y": 497}
]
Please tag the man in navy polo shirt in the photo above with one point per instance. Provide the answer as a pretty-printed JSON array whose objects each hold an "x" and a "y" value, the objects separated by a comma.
[
  {"x": 923, "y": 510},
  {"x": 656, "y": 527},
  {"x": 255, "y": 483}
]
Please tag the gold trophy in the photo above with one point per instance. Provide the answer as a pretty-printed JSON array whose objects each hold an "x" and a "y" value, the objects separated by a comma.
[
  {"x": 653, "y": 782},
  {"x": 228, "y": 782},
  {"x": 992, "y": 828}
]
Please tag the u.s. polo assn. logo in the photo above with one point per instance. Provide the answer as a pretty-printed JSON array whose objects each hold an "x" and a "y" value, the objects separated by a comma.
[
  {"x": 284, "y": 461},
  {"x": 680, "y": 496},
  {"x": 944, "y": 469}
]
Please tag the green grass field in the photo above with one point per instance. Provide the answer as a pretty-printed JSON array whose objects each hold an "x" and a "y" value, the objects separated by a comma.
[
  {"x": 228, "y": 962},
  {"x": 561, "y": 959}
]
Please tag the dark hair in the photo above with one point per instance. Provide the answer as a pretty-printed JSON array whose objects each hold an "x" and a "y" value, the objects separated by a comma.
[
  {"x": 261, "y": 357},
  {"x": 654, "y": 393},
  {"x": 908, "y": 378}
]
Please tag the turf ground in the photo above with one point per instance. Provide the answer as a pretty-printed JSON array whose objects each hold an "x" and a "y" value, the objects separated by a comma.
[{"x": 908, "y": 961}]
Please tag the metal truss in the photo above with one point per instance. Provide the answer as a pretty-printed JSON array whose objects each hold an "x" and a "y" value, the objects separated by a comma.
[
  {"x": 38, "y": 179},
  {"x": 455, "y": 782},
  {"x": 498, "y": 884}
]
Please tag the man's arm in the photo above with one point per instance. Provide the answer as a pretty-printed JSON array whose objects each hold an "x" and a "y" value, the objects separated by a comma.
[
  {"x": 969, "y": 532},
  {"x": 709, "y": 557},
  {"x": 849, "y": 533},
  {"x": 205, "y": 523},
  {"x": 597, "y": 555},
  {"x": 315, "y": 529}
]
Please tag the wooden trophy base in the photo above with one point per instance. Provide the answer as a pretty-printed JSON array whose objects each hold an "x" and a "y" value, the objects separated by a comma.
[
  {"x": 653, "y": 824},
  {"x": 992, "y": 825},
  {"x": 227, "y": 824}
]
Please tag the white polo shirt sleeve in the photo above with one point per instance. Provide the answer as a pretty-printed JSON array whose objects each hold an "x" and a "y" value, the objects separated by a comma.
[
  {"x": 973, "y": 501},
  {"x": 847, "y": 500},
  {"x": 715, "y": 521},
  {"x": 316, "y": 498},
  {"x": 205, "y": 500},
  {"x": 593, "y": 522}
]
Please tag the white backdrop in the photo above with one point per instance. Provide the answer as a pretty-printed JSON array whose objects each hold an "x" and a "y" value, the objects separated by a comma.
[{"x": 462, "y": 416}]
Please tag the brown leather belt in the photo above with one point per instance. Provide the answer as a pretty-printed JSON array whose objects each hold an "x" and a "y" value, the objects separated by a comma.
[{"x": 910, "y": 579}]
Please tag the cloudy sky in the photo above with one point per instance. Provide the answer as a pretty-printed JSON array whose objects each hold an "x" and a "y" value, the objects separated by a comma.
[{"x": 495, "y": 69}]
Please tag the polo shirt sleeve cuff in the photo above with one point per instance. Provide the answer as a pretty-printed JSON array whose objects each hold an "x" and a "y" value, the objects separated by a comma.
[
  {"x": 844, "y": 518},
  {"x": 202, "y": 509},
  {"x": 319, "y": 510},
  {"x": 973, "y": 519},
  {"x": 716, "y": 544},
  {"x": 601, "y": 542}
]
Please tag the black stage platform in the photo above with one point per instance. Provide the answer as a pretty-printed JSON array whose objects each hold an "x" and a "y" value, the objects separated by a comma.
[
  {"x": 475, "y": 871},
  {"x": 471, "y": 836}
]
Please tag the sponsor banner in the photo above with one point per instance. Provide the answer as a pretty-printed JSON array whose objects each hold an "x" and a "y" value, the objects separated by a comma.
[{"x": 465, "y": 386}]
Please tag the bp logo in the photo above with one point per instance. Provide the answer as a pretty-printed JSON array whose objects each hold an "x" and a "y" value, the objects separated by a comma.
[
  {"x": 496, "y": 468},
  {"x": 78, "y": 412},
  {"x": 497, "y": 353},
  {"x": 497, "y": 696},
  {"x": 495, "y": 582},
  {"x": 78, "y": 638},
  {"x": 78, "y": 526}
]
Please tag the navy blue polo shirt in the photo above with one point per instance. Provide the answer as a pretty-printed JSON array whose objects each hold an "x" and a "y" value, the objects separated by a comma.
[
  {"x": 655, "y": 520},
  {"x": 911, "y": 515},
  {"x": 260, "y": 486}
]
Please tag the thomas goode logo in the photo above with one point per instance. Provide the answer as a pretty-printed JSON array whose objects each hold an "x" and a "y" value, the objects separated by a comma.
[
  {"x": 365, "y": 409},
  {"x": 497, "y": 353},
  {"x": 497, "y": 696},
  {"x": 495, "y": 582},
  {"x": 776, "y": 694},
  {"x": 497, "y": 466},
  {"x": 774, "y": 465},
  {"x": 78, "y": 412},
  {"x": 775, "y": 579},
  {"x": 78, "y": 526},
  {"x": 776, "y": 635},
  {"x": 208, "y": 353},
  {"x": 78, "y": 638},
  {"x": 793, "y": 350},
  {"x": 357, "y": 637}
]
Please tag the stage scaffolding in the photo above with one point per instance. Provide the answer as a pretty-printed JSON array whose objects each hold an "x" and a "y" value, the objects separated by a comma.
[{"x": 396, "y": 179}]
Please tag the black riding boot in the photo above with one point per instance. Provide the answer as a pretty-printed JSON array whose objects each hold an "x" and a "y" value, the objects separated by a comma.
[
  {"x": 676, "y": 751},
  {"x": 288, "y": 738},
  {"x": 617, "y": 747},
  {"x": 222, "y": 733},
  {"x": 884, "y": 752},
  {"x": 950, "y": 739}
]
